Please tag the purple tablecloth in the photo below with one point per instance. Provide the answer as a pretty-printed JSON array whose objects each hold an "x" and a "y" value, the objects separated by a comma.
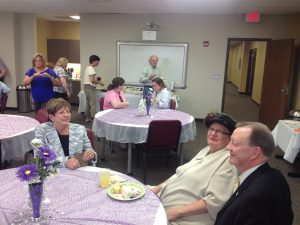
[
  {"x": 126, "y": 126},
  {"x": 16, "y": 132},
  {"x": 75, "y": 198}
]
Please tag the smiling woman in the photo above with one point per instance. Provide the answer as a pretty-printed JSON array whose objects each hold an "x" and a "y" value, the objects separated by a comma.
[
  {"x": 69, "y": 140},
  {"x": 187, "y": 202}
]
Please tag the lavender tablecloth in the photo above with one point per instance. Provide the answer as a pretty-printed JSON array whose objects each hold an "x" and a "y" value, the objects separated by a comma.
[
  {"x": 16, "y": 132},
  {"x": 75, "y": 198},
  {"x": 126, "y": 126}
]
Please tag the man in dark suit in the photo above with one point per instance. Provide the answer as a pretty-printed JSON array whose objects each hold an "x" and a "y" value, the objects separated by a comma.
[{"x": 263, "y": 196}]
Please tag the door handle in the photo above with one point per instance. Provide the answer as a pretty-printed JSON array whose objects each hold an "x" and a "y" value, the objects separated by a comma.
[{"x": 285, "y": 89}]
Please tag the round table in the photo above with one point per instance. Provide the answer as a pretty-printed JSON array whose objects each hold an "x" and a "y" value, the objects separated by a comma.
[
  {"x": 126, "y": 126},
  {"x": 75, "y": 197},
  {"x": 16, "y": 132}
]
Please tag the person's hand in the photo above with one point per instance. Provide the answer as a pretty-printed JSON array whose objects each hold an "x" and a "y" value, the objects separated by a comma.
[
  {"x": 69, "y": 94},
  {"x": 173, "y": 214},
  {"x": 48, "y": 75},
  {"x": 72, "y": 163},
  {"x": 100, "y": 83},
  {"x": 155, "y": 189},
  {"x": 126, "y": 104},
  {"x": 152, "y": 75},
  {"x": 88, "y": 155}
]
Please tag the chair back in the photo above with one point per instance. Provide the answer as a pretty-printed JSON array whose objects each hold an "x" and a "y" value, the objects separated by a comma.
[
  {"x": 3, "y": 102},
  {"x": 163, "y": 135},
  {"x": 172, "y": 104},
  {"x": 101, "y": 103},
  {"x": 90, "y": 135},
  {"x": 42, "y": 116}
]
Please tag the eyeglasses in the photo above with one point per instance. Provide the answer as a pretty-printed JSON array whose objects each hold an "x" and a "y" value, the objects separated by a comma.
[{"x": 218, "y": 132}]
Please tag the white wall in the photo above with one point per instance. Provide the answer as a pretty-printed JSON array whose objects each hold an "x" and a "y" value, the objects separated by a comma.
[
  {"x": 100, "y": 32},
  {"x": 17, "y": 45}
]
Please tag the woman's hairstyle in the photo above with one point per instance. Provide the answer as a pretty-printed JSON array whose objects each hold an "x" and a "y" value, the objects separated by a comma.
[
  {"x": 159, "y": 82},
  {"x": 55, "y": 104},
  {"x": 38, "y": 55},
  {"x": 116, "y": 82},
  {"x": 94, "y": 58},
  {"x": 62, "y": 61}
]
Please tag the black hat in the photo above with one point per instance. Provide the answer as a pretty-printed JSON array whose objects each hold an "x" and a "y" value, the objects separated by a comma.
[{"x": 222, "y": 118}]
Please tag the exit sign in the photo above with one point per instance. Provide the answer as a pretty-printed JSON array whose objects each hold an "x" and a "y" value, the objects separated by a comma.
[{"x": 253, "y": 17}]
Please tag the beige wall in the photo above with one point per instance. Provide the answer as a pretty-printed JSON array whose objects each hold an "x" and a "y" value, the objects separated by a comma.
[
  {"x": 259, "y": 68},
  {"x": 17, "y": 45},
  {"x": 55, "y": 30},
  {"x": 100, "y": 32},
  {"x": 293, "y": 31},
  {"x": 238, "y": 75}
]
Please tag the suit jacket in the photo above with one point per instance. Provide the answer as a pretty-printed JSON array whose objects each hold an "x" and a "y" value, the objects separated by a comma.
[
  {"x": 262, "y": 199},
  {"x": 78, "y": 139}
]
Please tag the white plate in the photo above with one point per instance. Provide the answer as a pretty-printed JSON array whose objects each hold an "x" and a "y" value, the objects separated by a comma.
[{"x": 128, "y": 185}]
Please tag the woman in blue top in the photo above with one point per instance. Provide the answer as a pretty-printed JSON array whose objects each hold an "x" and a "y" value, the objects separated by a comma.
[
  {"x": 42, "y": 80},
  {"x": 161, "y": 96}
]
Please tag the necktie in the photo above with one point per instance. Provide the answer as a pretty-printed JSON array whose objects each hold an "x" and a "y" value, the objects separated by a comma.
[{"x": 237, "y": 184}]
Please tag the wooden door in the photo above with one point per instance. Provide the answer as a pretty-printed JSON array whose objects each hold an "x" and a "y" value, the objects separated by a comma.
[
  {"x": 56, "y": 48},
  {"x": 275, "y": 97}
]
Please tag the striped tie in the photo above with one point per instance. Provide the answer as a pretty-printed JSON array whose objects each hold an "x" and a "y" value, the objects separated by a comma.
[{"x": 237, "y": 184}]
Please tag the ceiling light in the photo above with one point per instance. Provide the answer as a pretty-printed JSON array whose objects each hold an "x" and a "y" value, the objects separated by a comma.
[{"x": 75, "y": 17}]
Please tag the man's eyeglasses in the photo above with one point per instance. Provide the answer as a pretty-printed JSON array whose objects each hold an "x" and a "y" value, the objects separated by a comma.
[{"x": 218, "y": 132}]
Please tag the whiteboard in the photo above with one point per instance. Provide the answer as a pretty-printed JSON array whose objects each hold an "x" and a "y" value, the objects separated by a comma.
[{"x": 132, "y": 57}]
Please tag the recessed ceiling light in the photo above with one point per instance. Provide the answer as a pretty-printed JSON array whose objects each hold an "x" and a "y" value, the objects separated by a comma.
[{"x": 75, "y": 17}]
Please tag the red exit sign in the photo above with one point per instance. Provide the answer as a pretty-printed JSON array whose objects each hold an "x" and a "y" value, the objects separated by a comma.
[{"x": 253, "y": 17}]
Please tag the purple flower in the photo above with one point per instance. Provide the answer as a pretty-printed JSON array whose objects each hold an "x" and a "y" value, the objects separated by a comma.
[
  {"x": 27, "y": 172},
  {"x": 47, "y": 154}
]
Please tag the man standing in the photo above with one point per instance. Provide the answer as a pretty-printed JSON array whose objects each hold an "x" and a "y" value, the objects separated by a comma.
[
  {"x": 90, "y": 83},
  {"x": 263, "y": 195},
  {"x": 149, "y": 72}
]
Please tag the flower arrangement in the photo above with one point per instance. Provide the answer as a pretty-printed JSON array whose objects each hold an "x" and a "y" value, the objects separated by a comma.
[
  {"x": 148, "y": 100},
  {"x": 44, "y": 164},
  {"x": 148, "y": 97}
]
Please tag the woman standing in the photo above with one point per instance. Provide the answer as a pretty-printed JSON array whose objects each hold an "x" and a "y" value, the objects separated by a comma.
[
  {"x": 115, "y": 98},
  {"x": 66, "y": 81},
  {"x": 161, "y": 96},
  {"x": 42, "y": 80}
]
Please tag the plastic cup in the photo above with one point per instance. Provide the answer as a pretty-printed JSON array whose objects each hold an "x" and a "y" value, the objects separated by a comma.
[{"x": 104, "y": 179}]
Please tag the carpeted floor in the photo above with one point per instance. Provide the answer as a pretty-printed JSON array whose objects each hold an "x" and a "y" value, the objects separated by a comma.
[{"x": 158, "y": 172}]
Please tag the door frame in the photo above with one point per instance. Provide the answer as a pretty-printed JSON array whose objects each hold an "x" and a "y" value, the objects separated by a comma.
[{"x": 227, "y": 60}]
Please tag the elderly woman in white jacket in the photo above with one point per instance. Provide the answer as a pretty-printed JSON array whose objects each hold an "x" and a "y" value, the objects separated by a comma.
[
  {"x": 198, "y": 190},
  {"x": 69, "y": 141}
]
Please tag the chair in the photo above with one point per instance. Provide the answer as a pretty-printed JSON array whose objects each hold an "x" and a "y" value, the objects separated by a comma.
[
  {"x": 90, "y": 135},
  {"x": 42, "y": 116},
  {"x": 3, "y": 102},
  {"x": 172, "y": 104},
  {"x": 29, "y": 154},
  {"x": 101, "y": 103},
  {"x": 163, "y": 136}
]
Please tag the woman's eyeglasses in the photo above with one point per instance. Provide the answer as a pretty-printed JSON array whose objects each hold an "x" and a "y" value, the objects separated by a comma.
[{"x": 218, "y": 132}]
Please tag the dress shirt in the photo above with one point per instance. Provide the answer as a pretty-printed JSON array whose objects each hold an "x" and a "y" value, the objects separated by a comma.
[{"x": 244, "y": 175}]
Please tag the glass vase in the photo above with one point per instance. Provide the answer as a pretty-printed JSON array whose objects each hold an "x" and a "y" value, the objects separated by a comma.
[
  {"x": 148, "y": 109},
  {"x": 36, "y": 194}
]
